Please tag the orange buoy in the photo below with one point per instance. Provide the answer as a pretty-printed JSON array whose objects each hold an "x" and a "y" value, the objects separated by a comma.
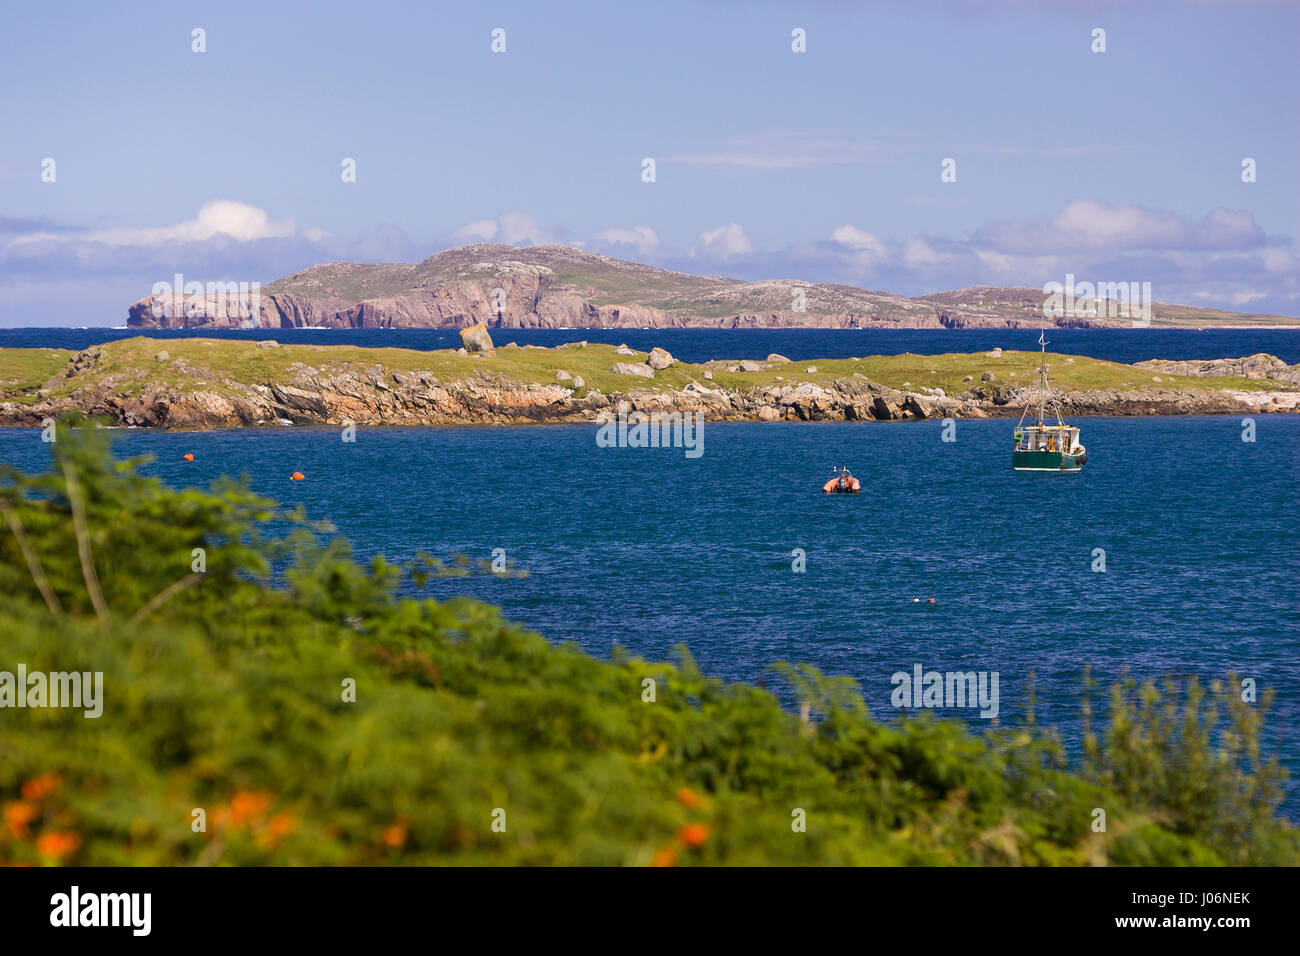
[
  {"x": 931, "y": 601},
  {"x": 297, "y": 476},
  {"x": 189, "y": 456}
]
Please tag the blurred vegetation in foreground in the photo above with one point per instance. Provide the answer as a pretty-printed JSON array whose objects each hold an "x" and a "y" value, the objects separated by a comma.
[{"x": 226, "y": 694}]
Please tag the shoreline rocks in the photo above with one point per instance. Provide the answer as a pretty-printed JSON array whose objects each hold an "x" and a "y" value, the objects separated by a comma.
[
  {"x": 1257, "y": 366},
  {"x": 376, "y": 395}
]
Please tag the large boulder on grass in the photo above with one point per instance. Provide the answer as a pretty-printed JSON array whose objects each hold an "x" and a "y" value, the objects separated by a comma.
[
  {"x": 476, "y": 338},
  {"x": 629, "y": 368},
  {"x": 659, "y": 358}
]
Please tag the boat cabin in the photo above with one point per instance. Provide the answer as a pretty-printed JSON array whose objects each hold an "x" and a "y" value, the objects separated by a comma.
[{"x": 1062, "y": 438}]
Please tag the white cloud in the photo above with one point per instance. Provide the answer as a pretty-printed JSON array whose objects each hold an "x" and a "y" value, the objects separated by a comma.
[
  {"x": 782, "y": 149},
  {"x": 511, "y": 228},
  {"x": 641, "y": 238},
  {"x": 917, "y": 253},
  {"x": 480, "y": 230},
  {"x": 864, "y": 243},
  {"x": 1221, "y": 258},
  {"x": 725, "y": 242},
  {"x": 1089, "y": 225},
  {"x": 219, "y": 218},
  {"x": 776, "y": 149},
  {"x": 1279, "y": 260}
]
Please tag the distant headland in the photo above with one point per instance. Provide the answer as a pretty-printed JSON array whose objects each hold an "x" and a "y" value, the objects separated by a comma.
[{"x": 557, "y": 287}]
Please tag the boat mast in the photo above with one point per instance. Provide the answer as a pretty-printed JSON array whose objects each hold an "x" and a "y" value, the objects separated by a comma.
[{"x": 1042, "y": 377}]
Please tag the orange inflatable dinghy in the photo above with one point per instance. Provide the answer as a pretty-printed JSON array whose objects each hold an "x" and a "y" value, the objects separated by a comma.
[{"x": 842, "y": 483}]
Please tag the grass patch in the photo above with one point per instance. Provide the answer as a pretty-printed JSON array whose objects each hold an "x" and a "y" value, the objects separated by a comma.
[
  {"x": 24, "y": 371},
  {"x": 130, "y": 366}
]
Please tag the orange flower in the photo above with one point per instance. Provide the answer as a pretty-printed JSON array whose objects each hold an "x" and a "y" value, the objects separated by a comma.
[
  {"x": 690, "y": 799},
  {"x": 694, "y": 834},
  {"x": 38, "y": 788},
  {"x": 246, "y": 805},
  {"x": 18, "y": 814},
  {"x": 57, "y": 845},
  {"x": 395, "y": 835},
  {"x": 275, "y": 832},
  {"x": 664, "y": 857}
]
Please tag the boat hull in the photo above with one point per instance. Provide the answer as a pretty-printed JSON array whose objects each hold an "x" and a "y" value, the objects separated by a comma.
[{"x": 1046, "y": 461}]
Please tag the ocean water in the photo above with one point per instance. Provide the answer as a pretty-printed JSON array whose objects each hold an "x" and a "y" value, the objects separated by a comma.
[
  {"x": 649, "y": 548},
  {"x": 700, "y": 345}
]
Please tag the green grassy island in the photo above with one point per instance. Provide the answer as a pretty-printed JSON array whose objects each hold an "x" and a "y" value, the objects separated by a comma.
[{"x": 198, "y": 383}]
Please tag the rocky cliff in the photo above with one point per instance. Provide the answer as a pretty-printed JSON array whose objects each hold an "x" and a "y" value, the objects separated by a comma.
[{"x": 549, "y": 287}]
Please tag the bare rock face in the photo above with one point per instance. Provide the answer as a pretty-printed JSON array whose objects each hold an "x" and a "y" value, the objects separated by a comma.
[
  {"x": 1258, "y": 366},
  {"x": 777, "y": 359},
  {"x": 476, "y": 338},
  {"x": 555, "y": 287},
  {"x": 659, "y": 359},
  {"x": 629, "y": 368},
  {"x": 748, "y": 365},
  {"x": 915, "y": 408},
  {"x": 374, "y": 394},
  {"x": 623, "y": 350},
  {"x": 883, "y": 410}
]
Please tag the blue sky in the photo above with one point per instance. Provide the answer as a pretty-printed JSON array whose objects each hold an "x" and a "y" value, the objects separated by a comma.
[{"x": 823, "y": 165}]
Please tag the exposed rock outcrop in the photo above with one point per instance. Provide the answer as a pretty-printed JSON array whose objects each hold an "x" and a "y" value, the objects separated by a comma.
[
  {"x": 1257, "y": 366},
  {"x": 549, "y": 287},
  {"x": 94, "y": 383},
  {"x": 630, "y": 368}
]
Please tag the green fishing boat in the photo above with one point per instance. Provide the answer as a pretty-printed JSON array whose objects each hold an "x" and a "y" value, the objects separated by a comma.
[{"x": 1043, "y": 447}]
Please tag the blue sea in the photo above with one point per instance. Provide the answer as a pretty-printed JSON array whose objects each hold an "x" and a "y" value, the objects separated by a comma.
[{"x": 649, "y": 548}]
